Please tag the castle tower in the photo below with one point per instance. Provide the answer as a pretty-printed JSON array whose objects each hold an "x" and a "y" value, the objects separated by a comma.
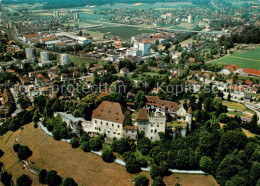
[{"x": 188, "y": 118}]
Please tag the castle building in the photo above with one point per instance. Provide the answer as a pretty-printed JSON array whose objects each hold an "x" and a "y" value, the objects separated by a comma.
[
  {"x": 151, "y": 123},
  {"x": 110, "y": 118}
]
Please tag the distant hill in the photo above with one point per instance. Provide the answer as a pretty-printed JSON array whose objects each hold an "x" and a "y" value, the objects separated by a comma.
[{"x": 73, "y": 3}]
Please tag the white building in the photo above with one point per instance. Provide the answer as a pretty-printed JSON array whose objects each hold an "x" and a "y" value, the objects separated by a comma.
[
  {"x": 44, "y": 63},
  {"x": 64, "y": 59},
  {"x": 75, "y": 123},
  {"x": 143, "y": 47},
  {"x": 29, "y": 53},
  {"x": 44, "y": 56},
  {"x": 56, "y": 14},
  {"x": 76, "y": 16},
  {"x": 151, "y": 123},
  {"x": 133, "y": 52},
  {"x": 190, "y": 19},
  {"x": 109, "y": 118}
]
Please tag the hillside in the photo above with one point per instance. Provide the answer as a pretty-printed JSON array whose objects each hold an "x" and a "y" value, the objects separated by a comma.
[{"x": 85, "y": 168}]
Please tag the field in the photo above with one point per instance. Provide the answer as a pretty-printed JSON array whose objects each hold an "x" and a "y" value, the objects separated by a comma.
[
  {"x": 250, "y": 59},
  {"x": 246, "y": 132},
  {"x": 124, "y": 32},
  {"x": 238, "y": 106},
  {"x": 85, "y": 168}
]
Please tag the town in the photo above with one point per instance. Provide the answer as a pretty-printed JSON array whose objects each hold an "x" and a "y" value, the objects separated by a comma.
[{"x": 171, "y": 77}]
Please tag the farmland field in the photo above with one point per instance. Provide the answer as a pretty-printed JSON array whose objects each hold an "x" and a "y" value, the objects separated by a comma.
[
  {"x": 250, "y": 59},
  {"x": 124, "y": 32},
  {"x": 85, "y": 168}
]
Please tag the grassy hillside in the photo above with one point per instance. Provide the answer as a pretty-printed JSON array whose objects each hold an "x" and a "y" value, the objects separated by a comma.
[{"x": 85, "y": 168}]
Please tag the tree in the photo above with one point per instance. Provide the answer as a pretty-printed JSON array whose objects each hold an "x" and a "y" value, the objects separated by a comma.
[
  {"x": 36, "y": 116},
  {"x": 121, "y": 146},
  {"x": 95, "y": 144},
  {"x": 232, "y": 140},
  {"x": 161, "y": 170},
  {"x": 85, "y": 146},
  {"x": 40, "y": 102},
  {"x": 158, "y": 181},
  {"x": 1, "y": 153},
  {"x": 144, "y": 145},
  {"x": 24, "y": 152},
  {"x": 206, "y": 164},
  {"x": 6, "y": 178},
  {"x": 42, "y": 176},
  {"x": 141, "y": 180},
  {"x": 80, "y": 33},
  {"x": 132, "y": 166},
  {"x": 107, "y": 156},
  {"x": 229, "y": 97},
  {"x": 16, "y": 147},
  {"x": 74, "y": 142},
  {"x": 140, "y": 100},
  {"x": 24, "y": 180},
  {"x": 53, "y": 178},
  {"x": 69, "y": 182},
  {"x": 255, "y": 173}
]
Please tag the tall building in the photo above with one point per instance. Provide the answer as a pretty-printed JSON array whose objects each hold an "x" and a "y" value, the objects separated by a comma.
[
  {"x": 56, "y": 14},
  {"x": 189, "y": 18},
  {"x": 64, "y": 59},
  {"x": 76, "y": 16},
  {"x": 44, "y": 56},
  {"x": 144, "y": 47},
  {"x": 29, "y": 53}
]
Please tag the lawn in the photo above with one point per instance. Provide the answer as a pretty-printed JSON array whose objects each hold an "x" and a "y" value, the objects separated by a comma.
[
  {"x": 85, "y": 168},
  {"x": 234, "y": 113},
  {"x": 250, "y": 59},
  {"x": 175, "y": 124},
  {"x": 238, "y": 106}
]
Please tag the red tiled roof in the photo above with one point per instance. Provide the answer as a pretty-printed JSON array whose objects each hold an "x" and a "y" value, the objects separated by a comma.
[
  {"x": 111, "y": 111},
  {"x": 103, "y": 94},
  {"x": 251, "y": 71},
  {"x": 142, "y": 115},
  {"x": 61, "y": 43},
  {"x": 32, "y": 35},
  {"x": 52, "y": 37},
  {"x": 249, "y": 82},
  {"x": 155, "y": 101}
]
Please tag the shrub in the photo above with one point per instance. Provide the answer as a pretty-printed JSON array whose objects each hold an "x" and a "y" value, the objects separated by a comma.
[
  {"x": 141, "y": 180},
  {"x": 16, "y": 147},
  {"x": 69, "y": 182},
  {"x": 107, "y": 156},
  {"x": 42, "y": 176},
  {"x": 74, "y": 142},
  {"x": 85, "y": 147},
  {"x": 35, "y": 125},
  {"x": 24, "y": 180},
  {"x": 6, "y": 178},
  {"x": 24, "y": 152},
  {"x": 95, "y": 144},
  {"x": 53, "y": 178},
  {"x": 132, "y": 166},
  {"x": 1, "y": 153}
]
